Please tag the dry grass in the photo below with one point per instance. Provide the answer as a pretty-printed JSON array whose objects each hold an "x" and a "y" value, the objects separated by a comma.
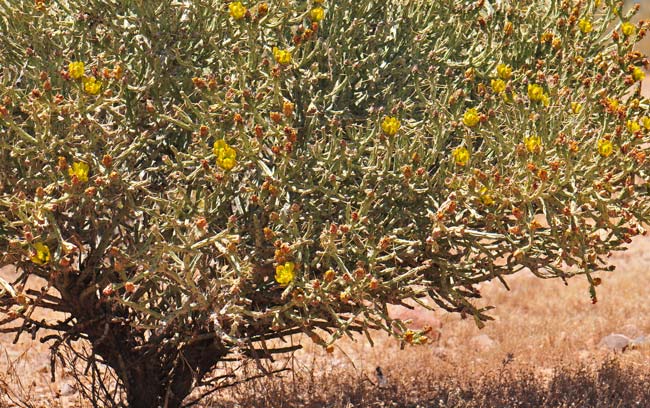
[{"x": 606, "y": 386}]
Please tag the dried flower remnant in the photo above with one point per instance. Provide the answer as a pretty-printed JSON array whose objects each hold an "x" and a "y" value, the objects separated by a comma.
[{"x": 287, "y": 109}]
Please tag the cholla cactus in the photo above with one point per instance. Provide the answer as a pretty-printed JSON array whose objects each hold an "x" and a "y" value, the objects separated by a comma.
[{"x": 194, "y": 178}]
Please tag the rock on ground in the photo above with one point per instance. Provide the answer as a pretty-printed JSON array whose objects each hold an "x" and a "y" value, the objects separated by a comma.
[
  {"x": 483, "y": 342},
  {"x": 615, "y": 342}
]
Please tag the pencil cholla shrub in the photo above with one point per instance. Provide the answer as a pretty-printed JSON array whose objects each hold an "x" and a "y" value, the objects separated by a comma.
[{"x": 195, "y": 178}]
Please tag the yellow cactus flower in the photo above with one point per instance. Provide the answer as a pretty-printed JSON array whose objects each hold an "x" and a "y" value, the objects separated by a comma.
[
  {"x": 471, "y": 117},
  {"x": 557, "y": 43},
  {"x": 498, "y": 85},
  {"x": 533, "y": 143},
  {"x": 317, "y": 14},
  {"x": 390, "y": 125},
  {"x": 91, "y": 85},
  {"x": 228, "y": 159},
  {"x": 486, "y": 197},
  {"x": 226, "y": 155},
  {"x": 282, "y": 57},
  {"x": 576, "y": 107},
  {"x": 76, "y": 69},
  {"x": 612, "y": 103},
  {"x": 80, "y": 170},
  {"x": 605, "y": 147},
  {"x": 545, "y": 100},
  {"x": 41, "y": 254},
  {"x": 329, "y": 275},
  {"x": 237, "y": 10},
  {"x": 628, "y": 29},
  {"x": 218, "y": 146},
  {"x": 536, "y": 93},
  {"x": 285, "y": 274},
  {"x": 638, "y": 74},
  {"x": 633, "y": 126},
  {"x": 460, "y": 156},
  {"x": 585, "y": 26},
  {"x": 504, "y": 71},
  {"x": 646, "y": 122}
]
